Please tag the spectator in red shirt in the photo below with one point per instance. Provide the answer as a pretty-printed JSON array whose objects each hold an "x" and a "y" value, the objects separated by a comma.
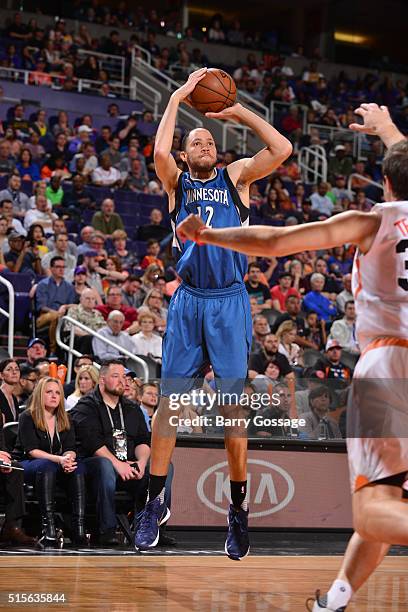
[
  {"x": 291, "y": 123},
  {"x": 280, "y": 292},
  {"x": 151, "y": 257},
  {"x": 114, "y": 302}
]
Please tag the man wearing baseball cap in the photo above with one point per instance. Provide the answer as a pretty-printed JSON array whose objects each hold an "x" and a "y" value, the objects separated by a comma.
[
  {"x": 36, "y": 349},
  {"x": 331, "y": 367},
  {"x": 341, "y": 163}
]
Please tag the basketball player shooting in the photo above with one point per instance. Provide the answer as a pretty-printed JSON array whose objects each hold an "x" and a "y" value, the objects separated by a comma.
[
  {"x": 209, "y": 319},
  {"x": 378, "y": 466}
]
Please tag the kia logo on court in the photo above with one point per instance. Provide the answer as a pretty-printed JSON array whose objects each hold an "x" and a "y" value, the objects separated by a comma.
[{"x": 270, "y": 488}]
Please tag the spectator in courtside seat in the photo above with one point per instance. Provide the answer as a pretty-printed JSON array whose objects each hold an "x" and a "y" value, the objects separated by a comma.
[
  {"x": 12, "y": 484},
  {"x": 112, "y": 461},
  {"x": 10, "y": 375},
  {"x": 319, "y": 425}
]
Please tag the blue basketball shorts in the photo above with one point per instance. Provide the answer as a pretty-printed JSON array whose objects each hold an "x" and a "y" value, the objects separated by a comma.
[{"x": 211, "y": 326}]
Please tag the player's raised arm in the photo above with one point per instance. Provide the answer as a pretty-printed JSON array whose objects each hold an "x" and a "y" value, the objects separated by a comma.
[
  {"x": 166, "y": 168},
  {"x": 278, "y": 148},
  {"x": 349, "y": 227},
  {"x": 377, "y": 122}
]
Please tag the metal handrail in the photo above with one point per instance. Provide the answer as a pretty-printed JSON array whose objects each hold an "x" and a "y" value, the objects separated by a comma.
[
  {"x": 10, "y": 314},
  {"x": 307, "y": 166},
  {"x": 169, "y": 82},
  {"x": 71, "y": 351},
  {"x": 157, "y": 97},
  {"x": 235, "y": 127},
  {"x": 302, "y": 107},
  {"x": 190, "y": 117},
  {"x": 369, "y": 181},
  {"x": 143, "y": 50},
  {"x": 108, "y": 57},
  {"x": 56, "y": 80},
  {"x": 251, "y": 101}
]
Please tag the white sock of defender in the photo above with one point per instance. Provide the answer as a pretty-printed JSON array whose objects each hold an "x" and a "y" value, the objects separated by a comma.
[{"x": 339, "y": 594}]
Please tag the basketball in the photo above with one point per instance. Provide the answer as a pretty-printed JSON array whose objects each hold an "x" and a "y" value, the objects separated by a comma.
[{"x": 216, "y": 91}]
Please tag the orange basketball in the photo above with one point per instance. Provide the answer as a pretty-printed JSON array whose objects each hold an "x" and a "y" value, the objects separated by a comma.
[{"x": 216, "y": 91}]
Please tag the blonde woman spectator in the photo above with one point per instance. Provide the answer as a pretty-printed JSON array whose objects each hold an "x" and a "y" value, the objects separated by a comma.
[
  {"x": 154, "y": 305},
  {"x": 286, "y": 335},
  {"x": 152, "y": 272},
  {"x": 86, "y": 381}
]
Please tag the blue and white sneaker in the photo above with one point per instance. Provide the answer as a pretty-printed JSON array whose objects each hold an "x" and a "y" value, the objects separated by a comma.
[
  {"x": 320, "y": 604},
  {"x": 147, "y": 532},
  {"x": 237, "y": 543}
]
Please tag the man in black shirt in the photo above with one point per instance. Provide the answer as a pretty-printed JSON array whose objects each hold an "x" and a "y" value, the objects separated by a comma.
[
  {"x": 258, "y": 360},
  {"x": 11, "y": 483},
  {"x": 114, "y": 442},
  {"x": 155, "y": 230}
]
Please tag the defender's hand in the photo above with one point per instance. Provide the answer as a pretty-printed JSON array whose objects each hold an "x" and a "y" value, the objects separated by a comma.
[
  {"x": 232, "y": 113},
  {"x": 182, "y": 93},
  {"x": 187, "y": 230},
  {"x": 376, "y": 119}
]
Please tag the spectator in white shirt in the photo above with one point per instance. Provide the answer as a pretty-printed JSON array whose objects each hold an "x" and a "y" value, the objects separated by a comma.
[
  {"x": 6, "y": 209},
  {"x": 106, "y": 175},
  {"x": 321, "y": 202},
  {"x": 41, "y": 215},
  {"x": 345, "y": 295},
  {"x": 146, "y": 342},
  {"x": 113, "y": 332},
  {"x": 344, "y": 330}
]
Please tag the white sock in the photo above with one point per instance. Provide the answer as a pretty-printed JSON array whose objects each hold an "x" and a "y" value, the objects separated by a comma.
[{"x": 339, "y": 594}]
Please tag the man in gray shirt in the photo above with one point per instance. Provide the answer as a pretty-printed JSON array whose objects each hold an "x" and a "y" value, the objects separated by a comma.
[
  {"x": 113, "y": 332},
  {"x": 13, "y": 192}
]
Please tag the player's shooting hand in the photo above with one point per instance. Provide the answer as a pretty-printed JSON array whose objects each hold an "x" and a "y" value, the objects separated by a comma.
[
  {"x": 375, "y": 118},
  {"x": 187, "y": 230},
  {"x": 182, "y": 93},
  {"x": 232, "y": 113}
]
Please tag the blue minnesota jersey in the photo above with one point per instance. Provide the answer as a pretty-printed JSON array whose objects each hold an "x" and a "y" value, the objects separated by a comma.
[{"x": 218, "y": 203}]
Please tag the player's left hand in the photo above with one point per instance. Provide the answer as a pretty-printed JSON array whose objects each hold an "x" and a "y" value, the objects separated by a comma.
[
  {"x": 232, "y": 113},
  {"x": 187, "y": 230}
]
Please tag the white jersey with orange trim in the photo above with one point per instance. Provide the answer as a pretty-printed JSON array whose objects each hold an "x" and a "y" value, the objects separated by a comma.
[{"x": 380, "y": 278}]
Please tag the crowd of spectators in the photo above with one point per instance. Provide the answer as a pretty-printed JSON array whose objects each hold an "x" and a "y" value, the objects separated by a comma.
[{"x": 80, "y": 251}]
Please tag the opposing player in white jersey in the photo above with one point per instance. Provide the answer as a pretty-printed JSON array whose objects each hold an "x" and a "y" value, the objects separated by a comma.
[{"x": 378, "y": 461}]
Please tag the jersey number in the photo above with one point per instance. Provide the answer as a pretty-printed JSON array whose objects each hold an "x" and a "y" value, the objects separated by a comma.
[
  {"x": 402, "y": 246},
  {"x": 210, "y": 212}
]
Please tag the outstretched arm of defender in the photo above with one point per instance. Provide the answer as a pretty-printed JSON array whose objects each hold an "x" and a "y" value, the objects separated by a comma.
[
  {"x": 350, "y": 227},
  {"x": 166, "y": 168},
  {"x": 377, "y": 122},
  {"x": 278, "y": 148}
]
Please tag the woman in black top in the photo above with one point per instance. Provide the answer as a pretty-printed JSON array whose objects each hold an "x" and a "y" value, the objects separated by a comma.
[
  {"x": 10, "y": 373},
  {"x": 46, "y": 448}
]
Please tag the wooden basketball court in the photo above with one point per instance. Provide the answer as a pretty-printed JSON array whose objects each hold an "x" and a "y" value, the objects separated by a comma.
[{"x": 191, "y": 583}]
